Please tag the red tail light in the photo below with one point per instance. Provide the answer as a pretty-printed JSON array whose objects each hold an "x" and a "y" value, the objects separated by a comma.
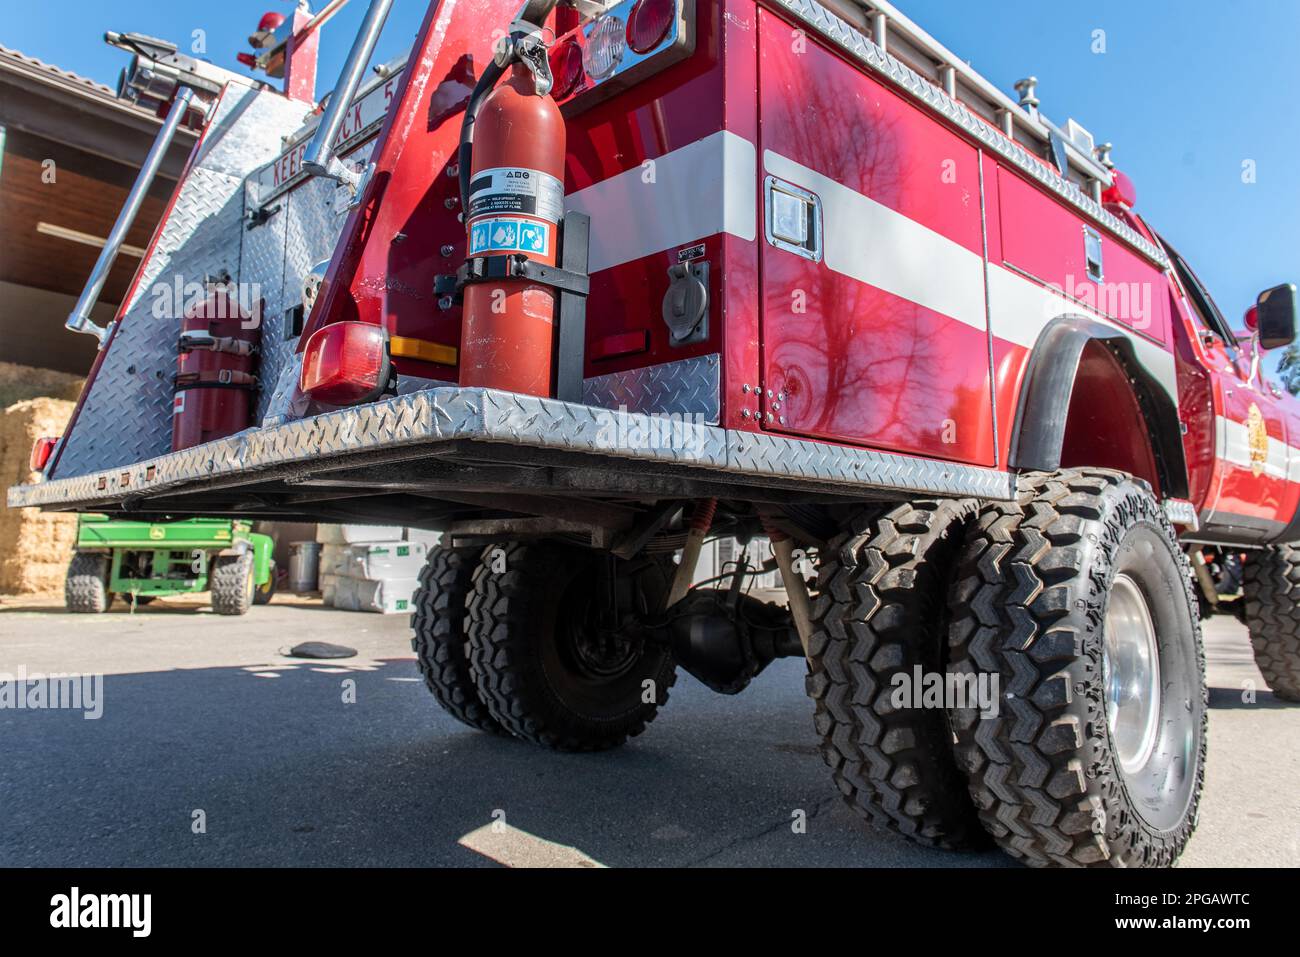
[
  {"x": 346, "y": 363},
  {"x": 566, "y": 68},
  {"x": 42, "y": 449},
  {"x": 648, "y": 24}
]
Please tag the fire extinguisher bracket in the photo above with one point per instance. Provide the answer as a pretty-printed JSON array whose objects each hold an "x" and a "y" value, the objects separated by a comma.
[
  {"x": 215, "y": 379},
  {"x": 193, "y": 341},
  {"x": 570, "y": 280},
  {"x": 511, "y": 266}
]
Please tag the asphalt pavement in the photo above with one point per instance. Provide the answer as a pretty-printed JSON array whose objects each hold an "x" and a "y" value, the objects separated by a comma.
[{"x": 213, "y": 748}]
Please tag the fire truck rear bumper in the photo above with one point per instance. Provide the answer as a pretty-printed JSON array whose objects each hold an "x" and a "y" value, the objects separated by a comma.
[{"x": 467, "y": 425}]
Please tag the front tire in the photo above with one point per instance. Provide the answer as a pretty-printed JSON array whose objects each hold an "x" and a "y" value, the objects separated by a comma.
[
  {"x": 557, "y": 660},
  {"x": 882, "y": 612},
  {"x": 1271, "y": 588},
  {"x": 85, "y": 587},
  {"x": 1078, "y": 600}
]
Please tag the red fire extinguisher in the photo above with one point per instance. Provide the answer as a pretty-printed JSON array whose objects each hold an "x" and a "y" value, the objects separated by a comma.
[
  {"x": 514, "y": 205},
  {"x": 215, "y": 382}
]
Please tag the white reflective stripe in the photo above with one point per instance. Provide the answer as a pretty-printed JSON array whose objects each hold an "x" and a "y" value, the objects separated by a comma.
[
  {"x": 1020, "y": 309},
  {"x": 1279, "y": 456},
  {"x": 1232, "y": 444},
  {"x": 711, "y": 187},
  {"x": 707, "y": 187},
  {"x": 870, "y": 242}
]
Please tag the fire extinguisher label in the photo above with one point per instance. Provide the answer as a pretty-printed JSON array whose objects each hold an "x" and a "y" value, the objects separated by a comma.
[
  {"x": 511, "y": 189},
  {"x": 178, "y": 403},
  {"x": 510, "y": 235}
]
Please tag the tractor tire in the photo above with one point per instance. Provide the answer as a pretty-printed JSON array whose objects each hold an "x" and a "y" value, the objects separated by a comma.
[
  {"x": 543, "y": 654},
  {"x": 231, "y": 583},
  {"x": 881, "y": 612},
  {"x": 1271, "y": 589},
  {"x": 85, "y": 587},
  {"x": 262, "y": 594},
  {"x": 1077, "y": 598},
  {"x": 440, "y": 643}
]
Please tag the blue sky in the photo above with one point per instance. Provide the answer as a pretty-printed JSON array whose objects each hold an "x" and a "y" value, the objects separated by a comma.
[{"x": 1187, "y": 90}]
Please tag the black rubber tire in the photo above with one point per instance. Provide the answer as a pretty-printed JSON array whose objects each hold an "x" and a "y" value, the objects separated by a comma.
[
  {"x": 1271, "y": 590},
  {"x": 262, "y": 594},
  {"x": 1030, "y": 602},
  {"x": 231, "y": 583},
  {"x": 439, "y": 641},
  {"x": 882, "y": 610},
  {"x": 519, "y": 636},
  {"x": 85, "y": 586}
]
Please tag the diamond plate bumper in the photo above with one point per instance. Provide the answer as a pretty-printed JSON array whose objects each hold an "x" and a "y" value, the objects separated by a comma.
[{"x": 429, "y": 419}]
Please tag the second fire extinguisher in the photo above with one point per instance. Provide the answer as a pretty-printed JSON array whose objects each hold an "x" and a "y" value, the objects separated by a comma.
[
  {"x": 215, "y": 382},
  {"x": 513, "y": 191}
]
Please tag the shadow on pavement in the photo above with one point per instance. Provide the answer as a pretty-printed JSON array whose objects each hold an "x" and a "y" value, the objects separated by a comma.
[
  {"x": 286, "y": 772},
  {"x": 1231, "y": 698}
]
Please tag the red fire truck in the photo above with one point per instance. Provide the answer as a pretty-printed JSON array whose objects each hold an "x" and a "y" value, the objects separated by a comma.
[{"x": 586, "y": 284}]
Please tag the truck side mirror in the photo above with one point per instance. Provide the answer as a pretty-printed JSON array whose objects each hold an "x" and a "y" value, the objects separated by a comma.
[{"x": 1275, "y": 316}]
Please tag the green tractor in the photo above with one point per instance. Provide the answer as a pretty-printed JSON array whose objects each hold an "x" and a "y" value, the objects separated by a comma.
[{"x": 141, "y": 561}]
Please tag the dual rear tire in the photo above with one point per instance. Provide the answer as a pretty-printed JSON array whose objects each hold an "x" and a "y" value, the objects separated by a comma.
[
  {"x": 1067, "y": 621},
  {"x": 544, "y": 642}
]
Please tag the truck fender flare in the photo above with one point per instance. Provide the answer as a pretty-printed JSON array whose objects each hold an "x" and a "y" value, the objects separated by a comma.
[{"x": 1038, "y": 435}]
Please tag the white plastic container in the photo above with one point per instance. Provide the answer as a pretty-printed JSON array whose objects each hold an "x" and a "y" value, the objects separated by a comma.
[
  {"x": 379, "y": 560},
  {"x": 352, "y": 534},
  {"x": 388, "y": 596},
  {"x": 334, "y": 559},
  {"x": 431, "y": 540}
]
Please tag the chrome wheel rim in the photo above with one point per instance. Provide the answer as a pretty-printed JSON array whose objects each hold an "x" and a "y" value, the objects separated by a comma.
[{"x": 1131, "y": 675}]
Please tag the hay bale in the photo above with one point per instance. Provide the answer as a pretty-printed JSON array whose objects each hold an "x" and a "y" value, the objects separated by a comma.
[
  {"x": 35, "y": 546},
  {"x": 19, "y": 382}
]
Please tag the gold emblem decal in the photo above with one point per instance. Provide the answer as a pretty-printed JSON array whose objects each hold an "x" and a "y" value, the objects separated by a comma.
[
  {"x": 1258, "y": 433},
  {"x": 155, "y": 532}
]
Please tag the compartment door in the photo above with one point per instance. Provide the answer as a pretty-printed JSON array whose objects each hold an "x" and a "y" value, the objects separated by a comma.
[{"x": 874, "y": 316}]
